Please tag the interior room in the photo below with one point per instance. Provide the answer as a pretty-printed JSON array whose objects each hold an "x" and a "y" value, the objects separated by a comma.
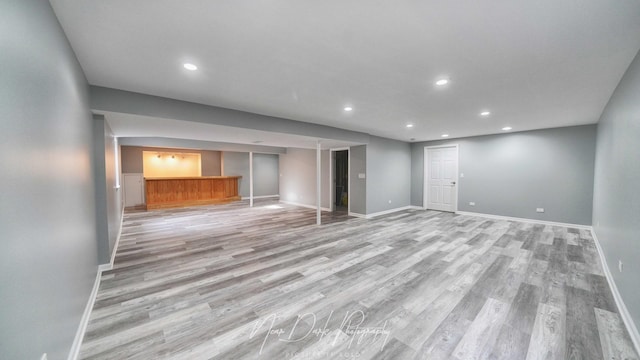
[{"x": 319, "y": 180}]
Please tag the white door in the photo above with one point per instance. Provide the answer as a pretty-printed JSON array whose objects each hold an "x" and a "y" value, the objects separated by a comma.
[
  {"x": 133, "y": 190},
  {"x": 441, "y": 174}
]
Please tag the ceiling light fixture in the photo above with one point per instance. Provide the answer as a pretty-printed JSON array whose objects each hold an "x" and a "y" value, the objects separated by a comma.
[
  {"x": 444, "y": 135},
  {"x": 485, "y": 113},
  {"x": 442, "y": 82},
  {"x": 506, "y": 128},
  {"x": 348, "y": 108},
  {"x": 191, "y": 67},
  {"x": 409, "y": 126}
]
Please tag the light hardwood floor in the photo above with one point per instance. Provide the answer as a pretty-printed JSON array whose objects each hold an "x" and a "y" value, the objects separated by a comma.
[{"x": 232, "y": 282}]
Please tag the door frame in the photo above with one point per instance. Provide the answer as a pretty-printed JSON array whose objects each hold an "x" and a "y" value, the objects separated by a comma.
[
  {"x": 425, "y": 179},
  {"x": 332, "y": 196}
]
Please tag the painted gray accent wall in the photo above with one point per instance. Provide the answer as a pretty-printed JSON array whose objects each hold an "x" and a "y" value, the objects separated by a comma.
[
  {"x": 513, "y": 174},
  {"x": 106, "y": 99},
  {"x": 388, "y": 174},
  {"x": 131, "y": 158},
  {"x": 237, "y": 164},
  {"x": 616, "y": 199},
  {"x": 357, "y": 186},
  {"x": 210, "y": 162},
  {"x": 298, "y": 177},
  {"x": 109, "y": 204},
  {"x": 48, "y": 261},
  {"x": 266, "y": 174}
]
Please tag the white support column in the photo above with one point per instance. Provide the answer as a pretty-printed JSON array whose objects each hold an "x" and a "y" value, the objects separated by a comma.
[
  {"x": 251, "y": 178},
  {"x": 318, "y": 184}
]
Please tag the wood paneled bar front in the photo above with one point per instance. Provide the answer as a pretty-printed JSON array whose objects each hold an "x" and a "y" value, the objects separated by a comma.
[{"x": 187, "y": 191}]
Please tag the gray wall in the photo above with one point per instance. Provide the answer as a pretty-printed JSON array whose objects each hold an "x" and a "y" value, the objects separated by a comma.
[
  {"x": 210, "y": 162},
  {"x": 106, "y": 99},
  {"x": 109, "y": 202},
  {"x": 198, "y": 145},
  {"x": 266, "y": 174},
  {"x": 234, "y": 164},
  {"x": 48, "y": 260},
  {"x": 132, "y": 159},
  {"x": 298, "y": 177},
  {"x": 388, "y": 174},
  {"x": 616, "y": 200},
  {"x": 357, "y": 186},
  {"x": 513, "y": 174}
]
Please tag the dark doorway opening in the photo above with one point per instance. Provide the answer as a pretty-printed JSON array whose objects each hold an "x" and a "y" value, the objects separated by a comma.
[{"x": 341, "y": 181}]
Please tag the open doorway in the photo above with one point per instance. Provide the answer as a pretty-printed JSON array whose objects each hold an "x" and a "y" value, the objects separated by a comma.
[{"x": 340, "y": 180}]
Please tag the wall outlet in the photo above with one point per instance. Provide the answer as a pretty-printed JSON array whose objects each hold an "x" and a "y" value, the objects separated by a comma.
[
  {"x": 361, "y": 175},
  {"x": 471, "y": 203},
  {"x": 620, "y": 265},
  {"x": 389, "y": 201},
  {"x": 461, "y": 175},
  {"x": 540, "y": 210}
]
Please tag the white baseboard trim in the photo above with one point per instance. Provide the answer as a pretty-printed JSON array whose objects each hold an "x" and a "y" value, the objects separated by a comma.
[
  {"x": 358, "y": 215},
  {"x": 385, "y": 212},
  {"x": 104, "y": 267},
  {"x": 304, "y": 205},
  {"x": 622, "y": 308},
  {"x": 84, "y": 321},
  {"x": 532, "y": 221},
  {"x": 109, "y": 266},
  {"x": 260, "y": 197}
]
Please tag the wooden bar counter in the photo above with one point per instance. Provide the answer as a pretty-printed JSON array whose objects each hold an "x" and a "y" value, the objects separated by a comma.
[{"x": 188, "y": 191}]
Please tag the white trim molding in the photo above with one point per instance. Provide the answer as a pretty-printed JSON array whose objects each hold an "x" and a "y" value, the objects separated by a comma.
[
  {"x": 385, "y": 212},
  {"x": 84, "y": 321},
  {"x": 260, "y": 197},
  {"x": 533, "y": 221},
  {"x": 358, "y": 215},
  {"x": 109, "y": 266},
  {"x": 622, "y": 308},
  {"x": 314, "y": 207}
]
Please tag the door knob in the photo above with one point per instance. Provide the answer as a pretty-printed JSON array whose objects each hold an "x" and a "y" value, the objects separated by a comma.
[{"x": 453, "y": 183}]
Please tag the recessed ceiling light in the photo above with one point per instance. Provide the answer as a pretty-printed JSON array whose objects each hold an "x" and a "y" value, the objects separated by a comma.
[
  {"x": 348, "y": 108},
  {"x": 506, "y": 128},
  {"x": 442, "y": 82},
  {"x": 409, "y": 125},
  {"x": 191, "y": 67},
  {"x": 485, "y": 113},
  {"x": 445, "y": 135}
]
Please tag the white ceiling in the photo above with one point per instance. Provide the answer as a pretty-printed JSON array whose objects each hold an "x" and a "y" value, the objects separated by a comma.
[{"x": 533, "y": 64}]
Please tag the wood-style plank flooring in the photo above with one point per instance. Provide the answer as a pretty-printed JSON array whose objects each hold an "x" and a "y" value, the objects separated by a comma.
[{"x": 233, "y": 282}]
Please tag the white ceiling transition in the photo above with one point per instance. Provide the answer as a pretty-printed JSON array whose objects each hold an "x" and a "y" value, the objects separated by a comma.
[{"x": 532, "y": 64}]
